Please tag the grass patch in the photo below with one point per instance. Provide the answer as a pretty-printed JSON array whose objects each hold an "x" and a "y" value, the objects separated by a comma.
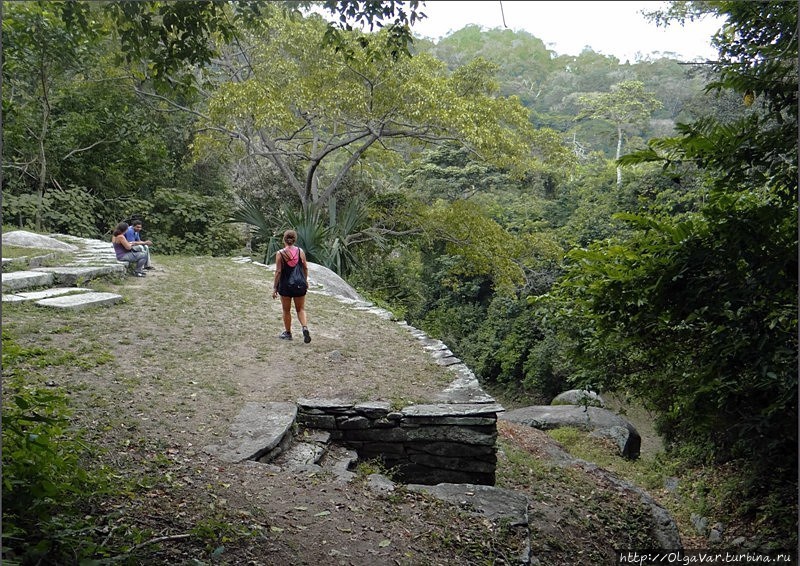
[{"x": 12, "y": 252}]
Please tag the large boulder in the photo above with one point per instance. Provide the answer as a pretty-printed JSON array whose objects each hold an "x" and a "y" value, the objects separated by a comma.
[
  {"x": 30, "y": 240},
  {"x": 323, "y": 279},
  {"x": 599, "y": 422},
  {"x": 578, "y": 397},
  {"x": 331, "y": 283}
]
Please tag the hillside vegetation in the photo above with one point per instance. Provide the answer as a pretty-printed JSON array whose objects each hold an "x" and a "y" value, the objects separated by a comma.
[{"x": 560, "y": 222}]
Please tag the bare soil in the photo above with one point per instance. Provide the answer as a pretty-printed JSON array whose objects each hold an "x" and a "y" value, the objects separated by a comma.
[{"x": 164, "y": 373}]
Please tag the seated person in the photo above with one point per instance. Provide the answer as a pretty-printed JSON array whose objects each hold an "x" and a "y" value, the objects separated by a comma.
[
  {"x": 125, "y": 252},
  {"x": 139, "y": 245}
]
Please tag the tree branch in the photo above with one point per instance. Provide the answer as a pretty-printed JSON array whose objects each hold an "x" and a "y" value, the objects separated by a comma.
[{"x": 87, "y": 148}]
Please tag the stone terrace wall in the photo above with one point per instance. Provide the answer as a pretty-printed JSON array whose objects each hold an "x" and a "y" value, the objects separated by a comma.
[{"x": 425, "y": 444}]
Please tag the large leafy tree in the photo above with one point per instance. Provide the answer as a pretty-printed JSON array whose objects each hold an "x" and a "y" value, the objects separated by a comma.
[
  {"x": 167, "y": 39},
  {"x": 318, "y": 114}
]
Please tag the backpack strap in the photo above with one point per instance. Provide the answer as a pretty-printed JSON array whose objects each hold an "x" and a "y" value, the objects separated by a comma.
[{"x": 283, "y": 255}]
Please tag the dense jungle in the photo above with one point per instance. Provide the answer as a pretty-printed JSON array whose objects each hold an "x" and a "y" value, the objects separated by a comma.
[{"x": 559, "y": 221}]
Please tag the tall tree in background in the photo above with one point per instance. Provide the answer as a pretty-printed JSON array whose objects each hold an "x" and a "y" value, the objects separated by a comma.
[{"x": 627, "y": 105}]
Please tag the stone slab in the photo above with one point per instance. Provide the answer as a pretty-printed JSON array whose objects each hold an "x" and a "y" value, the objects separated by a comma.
[
  {"x": 257, "y": 429},
  {"x": 70, "y": 275},
  {"x": 488, "y": 501},
  {"x": 452, "y": 410},
  {"x": 26, "y": 280},
  {"x": 26, "y": 239},
  {"x": 81, "y": 301},
  {"x": 47, "y": 293}
]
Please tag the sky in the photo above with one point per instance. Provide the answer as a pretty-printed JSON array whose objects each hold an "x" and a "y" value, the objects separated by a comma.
[{"x": 566, "y": 27}]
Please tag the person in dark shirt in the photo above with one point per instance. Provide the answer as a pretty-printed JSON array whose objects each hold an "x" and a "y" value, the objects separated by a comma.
[{"x": 286, "y": 260}]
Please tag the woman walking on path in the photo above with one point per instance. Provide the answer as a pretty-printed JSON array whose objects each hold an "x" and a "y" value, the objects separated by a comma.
[
  {"x": 125, "y": 252},
  {"x": 291, "y": 283}
]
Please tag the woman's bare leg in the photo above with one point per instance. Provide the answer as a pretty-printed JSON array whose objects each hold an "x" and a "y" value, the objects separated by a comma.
[
  {"x": 300, "y": 307},
  {"x": 286, "y": 304}
]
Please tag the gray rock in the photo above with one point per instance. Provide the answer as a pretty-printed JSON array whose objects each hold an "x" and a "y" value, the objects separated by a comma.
[
  {"x": 30, "y": 240},
  {"x": 17, "y": 280},
  {"x": 494, "y": 503},
  {"x": 73, "y": 275},
  {"x": 329, "y": 282},
  {"x": 600, "y": 422},
  {"x": 578, "y": 397},
  {"x": 378, "y": 483},
  {"x": 257, "y": 430},
  {"x": 455, "y": 410},
  {"x": 46, "y": 293},
  {"x": 81, "y": 301},
  {"x": 485, "y": 500},
  {"x": 699, "y": 523}
]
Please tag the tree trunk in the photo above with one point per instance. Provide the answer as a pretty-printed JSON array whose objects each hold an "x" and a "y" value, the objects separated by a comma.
[
  {"x": 619, "y": 153},
  {"x": 42, "y": 154}
]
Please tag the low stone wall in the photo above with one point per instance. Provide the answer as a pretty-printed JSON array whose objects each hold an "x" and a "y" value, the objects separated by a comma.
[{"x": 425, "y": 444}]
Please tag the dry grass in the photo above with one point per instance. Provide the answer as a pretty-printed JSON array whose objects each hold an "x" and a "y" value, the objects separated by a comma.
[{"x": 162, "y": 374}]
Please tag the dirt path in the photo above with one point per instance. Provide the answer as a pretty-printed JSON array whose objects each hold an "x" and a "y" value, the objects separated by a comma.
[{"x": 164, "y": 373}]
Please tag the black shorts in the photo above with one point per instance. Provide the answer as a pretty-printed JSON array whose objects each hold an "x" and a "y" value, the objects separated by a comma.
[{"x": 284, "y": 292}]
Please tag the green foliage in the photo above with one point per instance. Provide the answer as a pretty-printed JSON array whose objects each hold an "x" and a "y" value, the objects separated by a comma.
[
  {"x": 691, "y": 356},
  {"x": 393, "y": 279},
  {"x": 182, "y": 222},
  {"x": 449, "y": 173},
  {"x": 697, "y": 314},
  {"x": 321, "y": 122},
  {"x": 328, "y": 237},
  {"x": 48, "y": 483},
  {"x": 71, "y": 211},
  {"x": 395, "y": 16},
  {"x": 477, "y": 245},
  {"x": 171, "y": 36}
]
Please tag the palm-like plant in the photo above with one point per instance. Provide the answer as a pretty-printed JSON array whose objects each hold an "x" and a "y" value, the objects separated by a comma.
[{"x": 327, "y": 239}]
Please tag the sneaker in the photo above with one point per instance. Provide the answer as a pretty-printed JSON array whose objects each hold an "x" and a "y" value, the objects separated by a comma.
[
  {"x": 138, "y": 274},
  {"x": 148, "y": 267},
  {"x": 285, "y": 335},
  {"x": 306, "y": 335}
]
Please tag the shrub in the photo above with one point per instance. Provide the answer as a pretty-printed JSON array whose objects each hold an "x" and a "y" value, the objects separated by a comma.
[{"x": 45, "y": 479}]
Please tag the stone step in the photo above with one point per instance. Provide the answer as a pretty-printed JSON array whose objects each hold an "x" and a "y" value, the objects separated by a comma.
[
  {"x": 28, "y": 261},
  {"x": 340, "y": 461},
  {"x": 300, "y": 457},
  {"x": 26, "y": 280},
  {"x": 72, "y": 275},
  {"x": 45, "y": 294},
  {"x": 81, "y": 301},
  {"x": 261, "y": 431}
]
